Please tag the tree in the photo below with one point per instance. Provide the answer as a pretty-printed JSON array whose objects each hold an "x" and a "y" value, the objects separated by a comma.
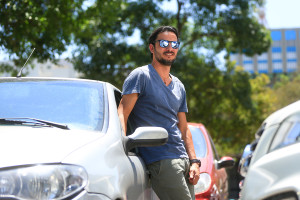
[
  {"x": 213, "y": 25},
  {"x": 45, "y": 25},
  {"x": 287, "y": 90},
  {"x": 104, "y": 52}
]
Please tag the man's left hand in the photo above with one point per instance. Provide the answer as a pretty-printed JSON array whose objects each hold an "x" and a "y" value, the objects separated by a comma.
[{"x": 194, "y": 173}]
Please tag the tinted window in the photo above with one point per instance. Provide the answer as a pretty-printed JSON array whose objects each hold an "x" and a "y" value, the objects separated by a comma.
[
  {"x": 199, "y": 142},
  {"x": 293, "y": 134},
  {"x": 288, "y": 133},
  {"x": 77, "y": 104}
]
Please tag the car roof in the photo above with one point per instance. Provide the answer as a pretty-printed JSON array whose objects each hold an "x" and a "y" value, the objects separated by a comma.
[
  {"x": 280, "y": 115},
  {"x": 15, "y": 79},
  {"x": 195, "y": 124},
  {"x": 25, "y": 79},
  {"x": 4, "y": 79}
]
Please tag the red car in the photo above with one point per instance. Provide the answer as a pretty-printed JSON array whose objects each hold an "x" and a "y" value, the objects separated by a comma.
[{"x": 213, "y": 182}]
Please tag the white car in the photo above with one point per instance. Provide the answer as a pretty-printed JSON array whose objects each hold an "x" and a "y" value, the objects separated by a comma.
[
  {"x": 274, "y": 170},
  {"x": 62, "y": 139}
]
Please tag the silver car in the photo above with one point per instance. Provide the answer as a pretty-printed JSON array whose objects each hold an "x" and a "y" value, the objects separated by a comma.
[
  {"x": 274, "y": 172},
  {"x": 62, "y": 139}
]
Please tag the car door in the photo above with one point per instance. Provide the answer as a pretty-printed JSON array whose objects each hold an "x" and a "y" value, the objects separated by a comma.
[
  {"x": 221, "y": 175},
  {"x": 141, "y": 187}
]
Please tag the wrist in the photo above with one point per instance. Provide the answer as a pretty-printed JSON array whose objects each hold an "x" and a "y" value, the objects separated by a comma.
[{"x": 195, "y": 161}]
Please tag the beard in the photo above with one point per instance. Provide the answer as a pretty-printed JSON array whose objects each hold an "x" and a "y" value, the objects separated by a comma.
[{"x": 164, "y": 61}]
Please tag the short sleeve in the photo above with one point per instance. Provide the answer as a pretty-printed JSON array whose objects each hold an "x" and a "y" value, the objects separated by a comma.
[
  {"x": 183, "y": 107},
  {"x": 134, "y": 83}
]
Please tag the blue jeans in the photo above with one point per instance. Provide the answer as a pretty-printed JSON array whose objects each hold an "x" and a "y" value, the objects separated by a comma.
[{"x": 169, "y": 179}]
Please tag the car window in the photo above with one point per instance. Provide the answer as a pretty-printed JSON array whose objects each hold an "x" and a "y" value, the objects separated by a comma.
[
  {"x": 216, "y": 156},
  {"x": 79, "y": 105},
  {"x": 293, "y": 134},
  {"x": 288, "y": 133},
  {"x": 199, "y": 142},
  {"x": 118, "y": 97}
]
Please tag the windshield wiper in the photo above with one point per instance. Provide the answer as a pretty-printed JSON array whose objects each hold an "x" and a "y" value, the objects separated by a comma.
[{"x": 24, "y": 120}]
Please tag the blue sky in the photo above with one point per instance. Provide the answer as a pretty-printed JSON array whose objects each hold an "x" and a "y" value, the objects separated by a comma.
[{"x": 283, "y": 13}]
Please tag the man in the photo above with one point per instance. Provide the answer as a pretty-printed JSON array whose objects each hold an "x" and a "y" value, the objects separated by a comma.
[{"x": 154, "y": 97}]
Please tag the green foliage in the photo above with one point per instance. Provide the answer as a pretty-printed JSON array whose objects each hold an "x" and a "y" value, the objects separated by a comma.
[
  {"x": 263, "y": 97},
  {"x": 44, "y": 25},
  {"x": 287, "y": 90},
  {"x": 104, "y": 53}
]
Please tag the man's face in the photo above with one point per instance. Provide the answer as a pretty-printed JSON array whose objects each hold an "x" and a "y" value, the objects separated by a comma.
[{"x": 165, "y": 56}]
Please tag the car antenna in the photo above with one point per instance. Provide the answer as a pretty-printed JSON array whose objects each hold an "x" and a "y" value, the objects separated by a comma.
[{"x": 20, "y": 72}]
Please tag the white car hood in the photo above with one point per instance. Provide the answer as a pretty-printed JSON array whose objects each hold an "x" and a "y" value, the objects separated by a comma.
[{"x": 21, "y": 145}]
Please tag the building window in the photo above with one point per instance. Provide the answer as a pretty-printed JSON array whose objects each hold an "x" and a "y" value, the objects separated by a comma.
[
  {"x": 291, "y": 65},
  {"x": 291, "y": 54},
  {"x": 248, "y": 64},
  {"x": 276, "y": 49},
  {"x": 276, "y": 35},
  {"x": 291, "y": 49},
  {"x": 290, "y": 35},
  {"x": 262, "y": 66},
  {"x": 277, "y": 66},
  {"x": 262, "y": 63}
]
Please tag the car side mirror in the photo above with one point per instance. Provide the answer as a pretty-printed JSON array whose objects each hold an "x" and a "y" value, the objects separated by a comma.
[
  {"x": 145, "y": 137},
  {"x": 225, "y": 162},
  {"x": 244, "y": 165},
  {"x": 245, "y": 160}
]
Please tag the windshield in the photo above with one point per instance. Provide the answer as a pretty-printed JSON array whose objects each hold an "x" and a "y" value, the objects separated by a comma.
[
  {"x": 77, "y": 104},
  {"x": 199, "y": 142}
]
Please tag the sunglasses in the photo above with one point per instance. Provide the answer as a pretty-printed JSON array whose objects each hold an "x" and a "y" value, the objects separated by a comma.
[{"x": 165, "y": 44}]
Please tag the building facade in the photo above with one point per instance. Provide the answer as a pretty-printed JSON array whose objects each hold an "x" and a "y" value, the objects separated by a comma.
[
  {"x": 282, "y": 57},
  {"x": 62, "y": 68}
]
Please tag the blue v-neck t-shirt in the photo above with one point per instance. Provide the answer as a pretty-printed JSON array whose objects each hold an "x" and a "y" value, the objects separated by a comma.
[{"x": 157, "y": 105}]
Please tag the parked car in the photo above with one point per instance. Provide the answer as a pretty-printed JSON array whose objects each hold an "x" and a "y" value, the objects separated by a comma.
[
  {"x": 273, "y": 172},
  {"x": 213, "y": 182},
  {"x": 62, "y": 139},
  {"x": 247, "y": 154}
]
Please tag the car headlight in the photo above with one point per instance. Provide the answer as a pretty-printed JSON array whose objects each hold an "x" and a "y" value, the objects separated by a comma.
[
  {"x": 42, "y": 182},
  {"x": 203, "y": 183}
]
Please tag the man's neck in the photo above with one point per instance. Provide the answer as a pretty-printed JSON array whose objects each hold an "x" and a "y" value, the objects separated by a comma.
[{"x": 163, "y": 71}]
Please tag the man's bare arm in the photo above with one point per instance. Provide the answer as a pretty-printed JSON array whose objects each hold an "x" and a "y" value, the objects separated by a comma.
[
  {"x": 189, "y": 145},
  {"x": 186, "y": 135},
  {"x": 125, "y": 107}
]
